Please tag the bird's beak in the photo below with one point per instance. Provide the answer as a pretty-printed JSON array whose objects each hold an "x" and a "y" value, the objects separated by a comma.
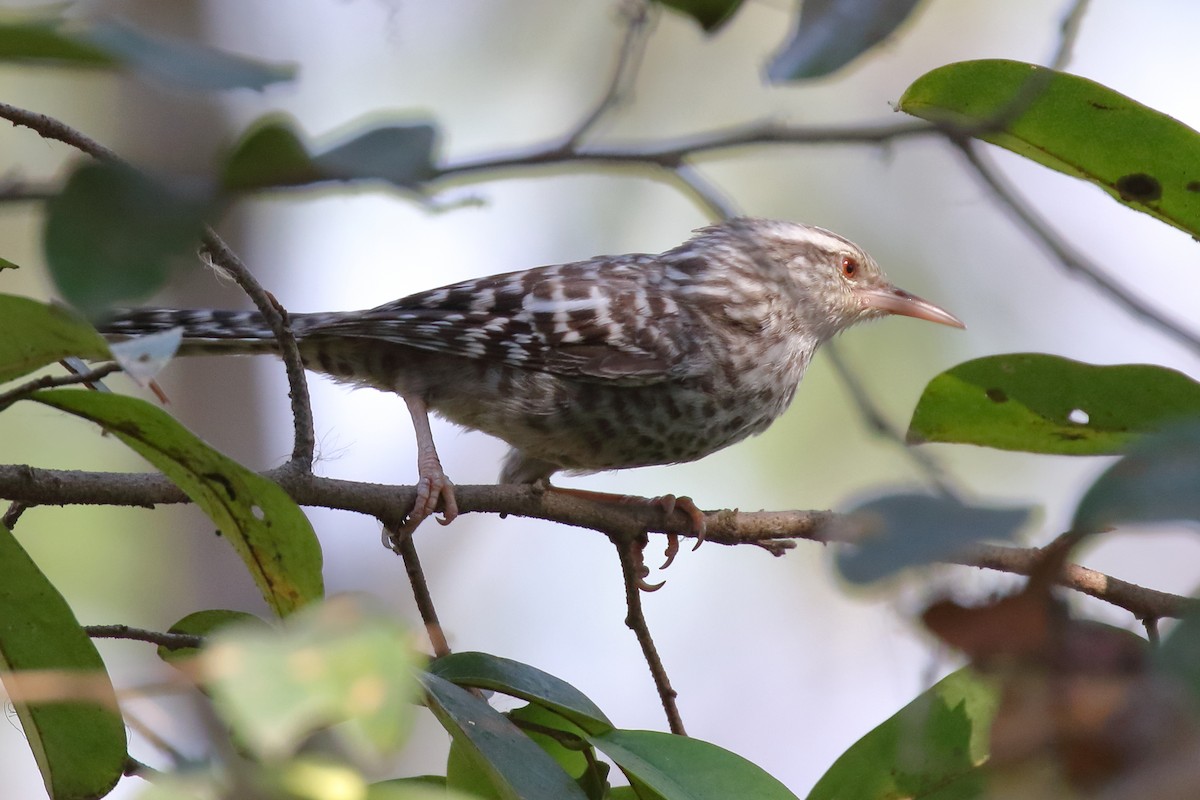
[{"x": 891, "y": 300}]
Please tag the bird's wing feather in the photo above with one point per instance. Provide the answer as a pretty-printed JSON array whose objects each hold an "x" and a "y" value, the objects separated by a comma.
[{"x": 606, "y": 319}]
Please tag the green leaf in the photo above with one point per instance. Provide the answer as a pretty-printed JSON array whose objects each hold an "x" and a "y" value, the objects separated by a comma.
[
  {"x": 1047, "y": 404},
  {"x": 831, "y": 33},
  {"x": 6, "y": 264},
  {"x": 515, "y": 766},
  {"x": 34, "y": 334},
  {"x": 711, "y": 14},
  {"x": 1143, "y": 158},
  {"x": 681, "y": 768},
  {"x": 114, "y": 45},
  {"x": 483, "y": 671},
  {"x": 900, "y": 531},
  {"x": 111, "y": 234},
  {"x": 79, "y": 745},
  {"x": 932, "y": 747},
  {"x": 334, "y": 662},
  {"x": 1156, "y": 482},
  {"x": 273, "y": 153},
  {"x": 1179, "y": 653},
  {"x": 205, "y": 623},
  {"x": 265, "y": 527}
]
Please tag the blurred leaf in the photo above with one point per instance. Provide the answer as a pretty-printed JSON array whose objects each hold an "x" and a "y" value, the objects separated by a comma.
[
  {"x": 112, "y": 232},
  {"x": 931, "y": 748},
  {"x": 681, "y": 768},
  {"x": 110, "y": 44},
  {"x": 266, "y": 528},
  {"x": 711, "y": 14},
  {"x": 6, "y": 264},
  {"x": 831, "y": 33},
  {"x": 1179, "y": 653},
  {"x": 1046, "y": 404},
  {"x": 34, "y": 334},
  {"x": 273, "y": 153},
  {"x": 907, "y": 530},
  {"x": 79, "y": 745},
  {"x": 205, "y": 623},
  {"x": 484, "y": 671},
  {"x": 1156, "y": 482},
  {"x": 331, "y": 663},
  {"x": 1143, "y": 158},
  {"x": 514, "y": 765}
]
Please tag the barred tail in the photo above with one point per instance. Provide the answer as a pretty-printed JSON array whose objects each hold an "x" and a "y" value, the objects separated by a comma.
[{"x": 204, "y": 330}]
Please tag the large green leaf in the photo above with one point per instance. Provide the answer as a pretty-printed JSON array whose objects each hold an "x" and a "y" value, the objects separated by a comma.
[
  {"x": 34, "y": 334},
  {"x": 681, "y": 768},
  {"x": 1158, "y": 481},
  {"x": 266, "y": 528},
  {"x": 1142, "y": 157},
  {"x": 931, "y": 748},
  {"x": 335, "y": 662},
  {"x": 516, "y": 768},
  {"x": 112, "y": 234},
  {"x": 79, "y": 745},
  {"x": 830, "y": 34},
  {"x": 898, "y": 531},
  {"x": 1047, "y": 404},
  {"x": 484, "y": 671},
  {"x": 273, "y": 153},
  {"x": 115, "y": 45}
]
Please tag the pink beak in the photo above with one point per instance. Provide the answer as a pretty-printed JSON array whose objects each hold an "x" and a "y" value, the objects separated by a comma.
[{"x": 891, "y": 300}]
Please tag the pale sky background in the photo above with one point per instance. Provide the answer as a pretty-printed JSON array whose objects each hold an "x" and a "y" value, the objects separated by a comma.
[{"x": 774, "y": 659}]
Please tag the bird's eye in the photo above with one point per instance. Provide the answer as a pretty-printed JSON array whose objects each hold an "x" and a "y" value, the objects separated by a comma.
[{"x": 849, "y": 266}]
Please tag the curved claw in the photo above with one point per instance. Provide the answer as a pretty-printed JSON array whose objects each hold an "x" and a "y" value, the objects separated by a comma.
[{"x": 669, "y": 503}]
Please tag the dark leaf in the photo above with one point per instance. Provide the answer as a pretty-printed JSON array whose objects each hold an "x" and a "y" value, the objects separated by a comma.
[
  {"x": 900, "y": 531},
  {"x": 831, "y": 33},
  {"x": 711, "y": 14}
]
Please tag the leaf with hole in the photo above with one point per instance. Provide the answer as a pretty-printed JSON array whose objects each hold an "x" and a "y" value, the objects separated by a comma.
[
  {"x": 907, "y": 530},
  {"x": 1142, "y": 157},
  {"x": 1046, "y": 404},
  {"x": 57, "y": 682},
  {"x": 830, "y": 34},
  {"x": 265, "y": 527},
  {"x": 933, "y": 747},
  {"x": 33, "y": 335}
]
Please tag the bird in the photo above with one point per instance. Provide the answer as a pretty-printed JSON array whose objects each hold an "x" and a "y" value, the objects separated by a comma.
[{"x": 607, "y": 363}]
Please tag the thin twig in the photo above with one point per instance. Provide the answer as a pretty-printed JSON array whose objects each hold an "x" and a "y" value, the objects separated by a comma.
[
  {"x": 171, "y": 641},
  {"x": 1069, "y": 29},
  {"x": 1070, "y": 259},
  {"x": 420, "y": 587},
  {"x": 224, "y": 257},
  {"x": 628, "y": 61},
  {"x": 629, "y": 550},
  {"x": 12, "y": 514},
  {"x": 711, "y": 200},
  {"x": 135, "y": 768},
  {"x": 304, "y": 436},
  {"x": 54, "y": 381}
]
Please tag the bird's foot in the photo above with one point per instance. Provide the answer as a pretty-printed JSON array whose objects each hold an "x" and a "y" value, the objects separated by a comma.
[
  {"x": 433, "y": 489},
  {"x": 669, "y": 503}
]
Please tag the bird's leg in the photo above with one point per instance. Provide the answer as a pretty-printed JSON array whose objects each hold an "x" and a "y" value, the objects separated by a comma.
[
  {"x": 433, "y": 487},
  {"x": 669, "y": 503}
]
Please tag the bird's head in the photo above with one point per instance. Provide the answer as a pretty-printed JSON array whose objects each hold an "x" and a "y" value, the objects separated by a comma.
[{"x": 831, "y": 281}]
